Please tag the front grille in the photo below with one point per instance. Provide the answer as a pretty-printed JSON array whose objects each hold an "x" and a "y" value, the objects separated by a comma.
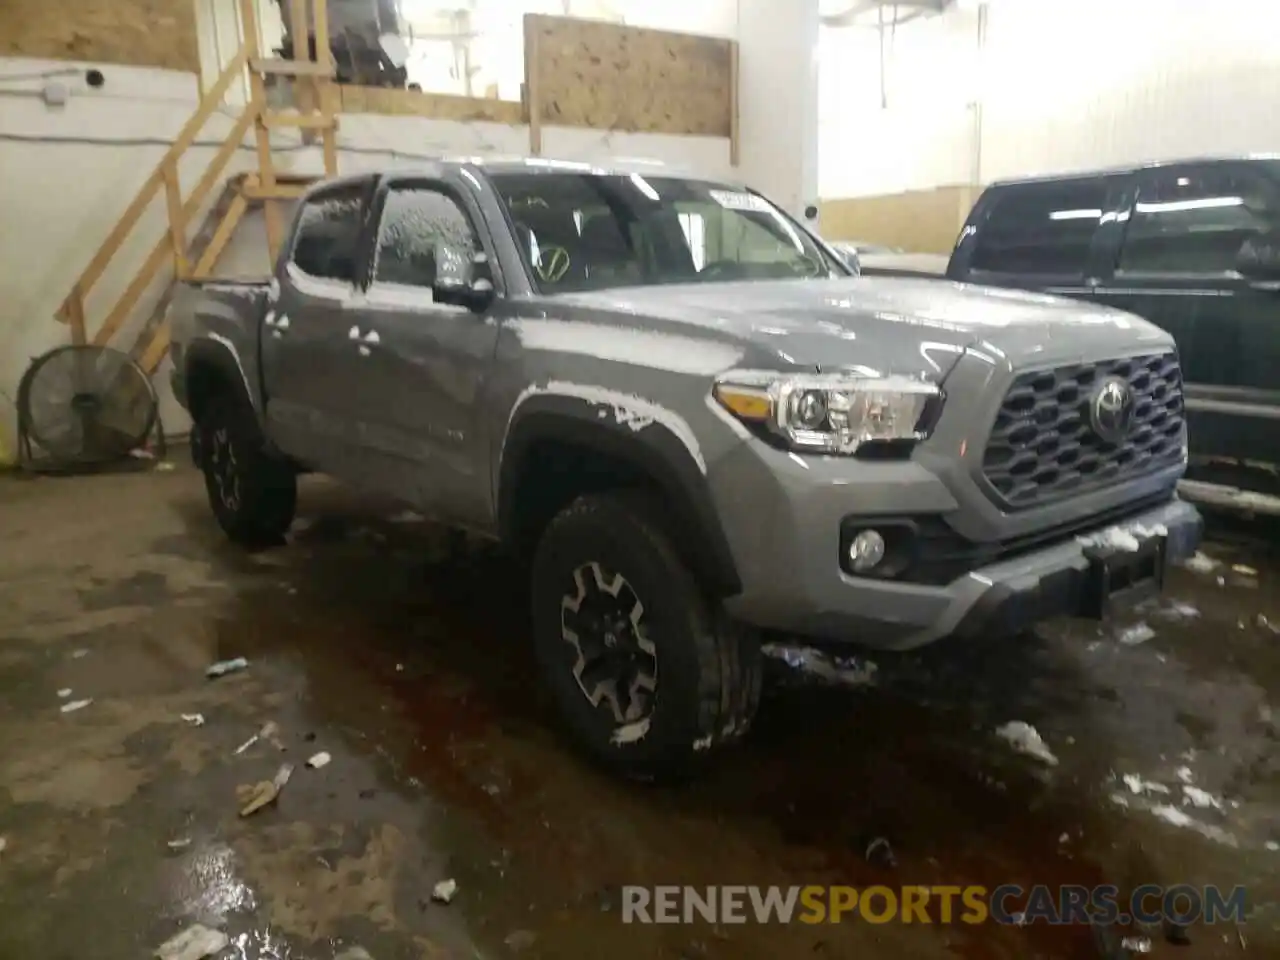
[{"x": 1043, "y": 448}]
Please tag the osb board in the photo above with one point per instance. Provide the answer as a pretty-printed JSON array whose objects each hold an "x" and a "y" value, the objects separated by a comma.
[
  {"x": 436, "y": 106},
  {"x": 146, "y": 33},
  {"x": 586, "y": 73},
  {"x": 918, "y": 221}
]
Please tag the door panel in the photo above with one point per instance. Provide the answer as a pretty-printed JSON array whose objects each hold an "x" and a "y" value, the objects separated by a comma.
[
  {"x": 421, "y": 365},
  {"x": 305, "y": 407},
  {"x": 422, "y": 386}
]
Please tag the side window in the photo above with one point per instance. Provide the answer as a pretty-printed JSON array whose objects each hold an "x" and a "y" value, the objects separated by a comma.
[
  {"x": 416, "y": 220},
  {"x": 328, "y": 235},
  {"x": 1195, "y": 222},
  {"x": 1042, "y": 228}
]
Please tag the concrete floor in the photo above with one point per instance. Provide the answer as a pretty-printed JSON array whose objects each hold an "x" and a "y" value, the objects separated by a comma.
[{"x": 411, "y": 667}]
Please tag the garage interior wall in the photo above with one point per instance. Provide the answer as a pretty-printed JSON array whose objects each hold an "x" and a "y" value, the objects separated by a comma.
[
  {"x": 1053, "y": 86},
  {"x": 70, "y": 169}
]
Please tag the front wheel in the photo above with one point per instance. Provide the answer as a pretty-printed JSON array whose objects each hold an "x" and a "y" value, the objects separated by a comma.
[
  {"x": 253, "y": 493},
  {"x": 649, "y": 675}
]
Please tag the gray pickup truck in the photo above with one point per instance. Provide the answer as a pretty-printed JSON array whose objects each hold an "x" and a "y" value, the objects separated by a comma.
[{"x": 698, "y": 428}]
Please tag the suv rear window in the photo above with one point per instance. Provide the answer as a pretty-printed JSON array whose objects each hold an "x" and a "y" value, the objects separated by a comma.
[{"x": 1042, "y": 228}]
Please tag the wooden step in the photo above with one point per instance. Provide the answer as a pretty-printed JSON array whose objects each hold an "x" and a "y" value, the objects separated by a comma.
[
  {"x": 291, "y": 68},
  {"x": 309, "y": 121}
]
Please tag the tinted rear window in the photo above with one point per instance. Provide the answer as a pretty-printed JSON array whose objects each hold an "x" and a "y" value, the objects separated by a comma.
[{"x": 1043, "y": 228}]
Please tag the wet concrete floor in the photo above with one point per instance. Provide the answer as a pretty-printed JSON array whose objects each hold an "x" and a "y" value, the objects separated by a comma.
[{"x": 407, "y": 660}]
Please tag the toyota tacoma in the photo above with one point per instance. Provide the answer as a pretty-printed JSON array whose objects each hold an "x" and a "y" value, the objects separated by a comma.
[{"x": 694, "y": 423}]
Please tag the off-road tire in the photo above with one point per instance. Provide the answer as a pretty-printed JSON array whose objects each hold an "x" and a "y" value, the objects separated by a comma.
[
  {"x": 262, "y": 510},
  {"x": 709, "y": 669}
]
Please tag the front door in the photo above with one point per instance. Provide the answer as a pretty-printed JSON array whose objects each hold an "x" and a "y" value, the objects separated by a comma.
[
  {"x": 422, "y": 366},
  {"x": 1176, "y": 266},
  {"x": 303, "y": 327}
]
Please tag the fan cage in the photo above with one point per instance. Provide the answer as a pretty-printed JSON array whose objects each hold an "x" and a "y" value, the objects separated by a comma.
[{"x": 93, "y": 378}]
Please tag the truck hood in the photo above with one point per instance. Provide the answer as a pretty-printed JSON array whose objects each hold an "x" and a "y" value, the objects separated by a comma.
[{"x": 889, "y": 324}]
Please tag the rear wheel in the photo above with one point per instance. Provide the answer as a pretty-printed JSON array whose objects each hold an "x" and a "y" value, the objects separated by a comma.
[
  {"x": 648, "y": 674},
  {"x": 253, "y": 493}
]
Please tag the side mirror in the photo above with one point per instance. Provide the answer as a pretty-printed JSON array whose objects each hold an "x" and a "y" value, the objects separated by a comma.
[
  {"x": 463, "y": 279},
  {"x": 1259, "y": 257}
]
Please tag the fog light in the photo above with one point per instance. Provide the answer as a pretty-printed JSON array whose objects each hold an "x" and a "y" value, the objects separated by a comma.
[{"x": 865, "y": 551}]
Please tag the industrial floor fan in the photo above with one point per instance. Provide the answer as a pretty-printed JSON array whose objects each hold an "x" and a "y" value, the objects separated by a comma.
[{"x": 84, "y": 407}]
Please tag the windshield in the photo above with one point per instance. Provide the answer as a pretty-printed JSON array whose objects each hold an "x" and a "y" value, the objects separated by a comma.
[{"x": 586, "y": 231}]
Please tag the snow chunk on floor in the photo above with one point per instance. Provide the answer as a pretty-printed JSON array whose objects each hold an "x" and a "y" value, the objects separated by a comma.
[
  {"x": 1138, "y": 786},
  {"x": 1200, "y": 798},
  {"x": 630, "y": 732},
  {"x": 1025, "y": 739},
  {"x": 1200, "y": 563}
]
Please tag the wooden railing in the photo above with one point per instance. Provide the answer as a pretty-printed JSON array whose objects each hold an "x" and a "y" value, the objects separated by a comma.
[{"x": 195, "y": 253}]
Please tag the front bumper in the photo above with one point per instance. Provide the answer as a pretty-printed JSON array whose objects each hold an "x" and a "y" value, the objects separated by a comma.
[{"x": 785, "y": 540}]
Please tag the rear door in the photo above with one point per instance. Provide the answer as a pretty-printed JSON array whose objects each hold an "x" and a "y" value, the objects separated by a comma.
[
  {"x": 1036, "y": 236},
  {"x": 306, "y": 403},
  {"x": 420, "y": 365},
  {"x": 1174, "y": 264}
]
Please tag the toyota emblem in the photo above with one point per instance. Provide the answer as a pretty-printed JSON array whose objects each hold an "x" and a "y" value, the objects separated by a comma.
[{"x": 1111, "y": 409}]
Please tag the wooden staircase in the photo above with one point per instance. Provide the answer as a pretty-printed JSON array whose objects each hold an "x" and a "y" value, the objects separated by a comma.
[{"x": 198, "y": 231}]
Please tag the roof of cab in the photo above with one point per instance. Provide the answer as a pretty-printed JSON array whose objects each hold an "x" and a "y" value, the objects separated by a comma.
[
  {"x": 1128, "y": 169},
  {"x": 621, "y": 167}
]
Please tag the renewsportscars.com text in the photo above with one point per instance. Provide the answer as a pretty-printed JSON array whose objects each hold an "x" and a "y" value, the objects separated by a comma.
[{"x": 1009, "y": 904}]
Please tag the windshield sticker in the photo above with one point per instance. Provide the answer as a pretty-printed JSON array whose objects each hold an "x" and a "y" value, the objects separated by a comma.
[{"x": 738, "y": 200}]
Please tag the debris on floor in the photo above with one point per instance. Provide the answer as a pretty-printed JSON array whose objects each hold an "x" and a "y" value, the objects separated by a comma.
[
  {"x": 408, "y": 516},
  {"x": 195, "y": 719},
  {"x": 1025, "y": 739},
  {"x": 64, "y": 693},
  {"x": 880, "y": 853},
  {"x": 1136, "y": 944},
  {"x": 253, "y": 797},
  {"x": 1266, "y": 624},
  {"x": 630, "y": 732},
  {"x": 319, "y": 760},
  {"x": 519, "y": 940},
  {"x": 3, "y": 843},
  {"x": 1177, "y": 818},
  {"x": 1138, "y": 786},
  {"x": 1136, "y": 634},
  {"x": 844, "y": 671},
  {"x": 1201, "y": 563},
  {"x": 78, "y": 654},
  {"x": 1200, "y": 798},
  {"x": 194, "y": 943},
  {"x": 1244, "y": 569},
  {"x": 444, "y": 891},
  {"x": 1178, "y": 610},
  {"x": 270, "y": 732},
  {"x": 75, "y": 705},
  {"x": 223, "y": 667}
]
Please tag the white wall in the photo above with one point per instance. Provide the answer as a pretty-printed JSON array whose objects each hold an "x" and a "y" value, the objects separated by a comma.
[
  {"x": 70, "y": 171},
  {"x": 1062, "y": 85}
]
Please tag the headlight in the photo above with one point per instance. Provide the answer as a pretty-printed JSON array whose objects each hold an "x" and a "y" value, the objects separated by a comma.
[{"x": 831, "y": 413}]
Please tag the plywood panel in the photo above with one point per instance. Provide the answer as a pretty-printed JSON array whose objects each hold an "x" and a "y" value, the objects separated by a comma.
[
  {"x": 149, "y": 33},
  {"x": 583, "y": 73},
  {"x": 918, "y": 221},
  {"x": 436, "y": 106}
]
